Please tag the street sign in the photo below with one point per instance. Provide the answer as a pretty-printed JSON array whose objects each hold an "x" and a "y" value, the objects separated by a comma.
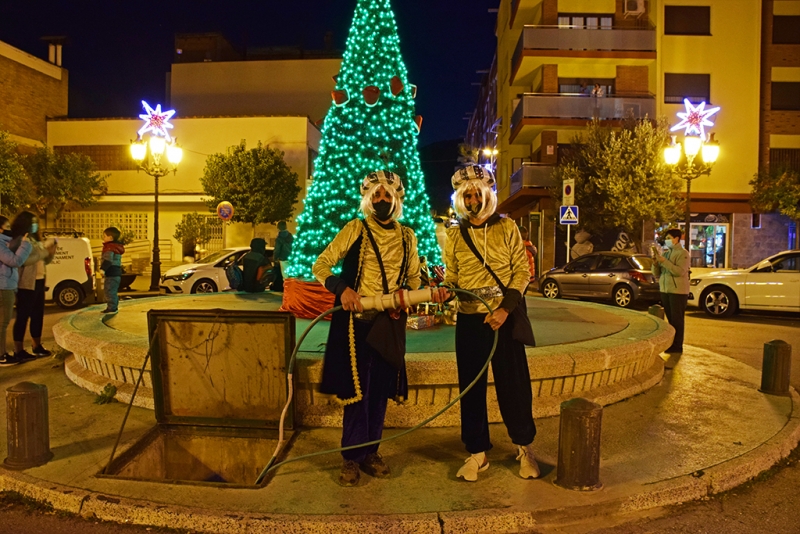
[
  {"x": 225, "y": 210},
  {"x": 569, "y": 215},
  {"x": 568, "y": 192}
]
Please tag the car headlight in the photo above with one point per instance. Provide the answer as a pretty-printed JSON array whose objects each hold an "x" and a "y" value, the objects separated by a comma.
[
  {"x": 695, "y": 281},
  {"x": 182, "y": 276}
]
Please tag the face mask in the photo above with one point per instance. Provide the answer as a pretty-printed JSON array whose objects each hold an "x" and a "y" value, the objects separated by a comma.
[
  {"x": 383, "y": 210},
  {"x": 668, "y": 243},
  {"x": 34, "y": 228},
  {"x": 475, "y": 209},
  {"x": 7, "y": 233}
]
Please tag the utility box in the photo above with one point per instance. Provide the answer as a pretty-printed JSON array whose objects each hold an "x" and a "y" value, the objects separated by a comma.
[{"x": 219, "y": 387}]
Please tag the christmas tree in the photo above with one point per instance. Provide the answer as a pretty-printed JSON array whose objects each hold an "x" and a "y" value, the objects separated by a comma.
[{"x": 370, "y": 126}]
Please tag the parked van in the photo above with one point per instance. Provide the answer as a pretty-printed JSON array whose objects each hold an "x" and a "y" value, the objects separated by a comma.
[{"x": 70, "y": 276}]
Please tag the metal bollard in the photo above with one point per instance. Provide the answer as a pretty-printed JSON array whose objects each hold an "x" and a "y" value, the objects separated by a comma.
[
  {"x": 28, "y": 426},
  {"x": 657, "y": 310},
  {"x": 776, "y": 368},
  {"x": 579, "y": 445}
]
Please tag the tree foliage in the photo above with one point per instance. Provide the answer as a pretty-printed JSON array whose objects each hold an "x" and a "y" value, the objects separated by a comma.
[
  {"x": 15, "y": 186},
  {"x": 258, "y": 182},
  {"x": 194, "y": 229},
  {"x": 776, "y": 190},
  {"x": 621, "y": 178},
  {"x": 63, "y": 181}
]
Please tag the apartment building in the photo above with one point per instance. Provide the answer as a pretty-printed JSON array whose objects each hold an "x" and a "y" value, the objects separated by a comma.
[{"x": 646, "y": 56}]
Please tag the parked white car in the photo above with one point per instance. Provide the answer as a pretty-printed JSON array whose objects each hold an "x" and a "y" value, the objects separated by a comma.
[
  {"x": 206, "y": 275},
  {"x": 771, "y": 284},
  {"x": 70, "y": 275}
]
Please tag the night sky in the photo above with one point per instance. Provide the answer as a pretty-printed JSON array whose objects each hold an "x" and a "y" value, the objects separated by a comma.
[{"x": 119, "y": 52}]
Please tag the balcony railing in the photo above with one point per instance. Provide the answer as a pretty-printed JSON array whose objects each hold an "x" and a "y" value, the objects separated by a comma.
[
  {"x": 532, "y": 175},
  {"x": 575, "y": 106},
  {"x": 580, "y": 38}
]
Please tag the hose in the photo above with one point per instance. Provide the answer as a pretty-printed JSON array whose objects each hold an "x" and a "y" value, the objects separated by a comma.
[{"x": 272, "y": 465}]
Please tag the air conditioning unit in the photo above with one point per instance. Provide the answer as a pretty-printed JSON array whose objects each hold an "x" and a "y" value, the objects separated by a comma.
[{"x": 633, "y": 8}]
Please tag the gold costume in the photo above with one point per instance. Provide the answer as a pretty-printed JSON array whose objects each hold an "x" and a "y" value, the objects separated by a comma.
[
  {"x": 496, "y": 243},
  {"x": 390, "y": 244}
]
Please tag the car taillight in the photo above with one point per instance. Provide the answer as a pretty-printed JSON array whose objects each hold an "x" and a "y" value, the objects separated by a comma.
[
  {"x": 87, "y": 265},
  {"x": 639, "y": 277}
]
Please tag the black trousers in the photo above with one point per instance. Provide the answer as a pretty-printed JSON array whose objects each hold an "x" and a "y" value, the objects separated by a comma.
[
  {"x": 674, "y": 310},
  {"x": 512, "y": 381},
  {"x": 30, "y": 305}
]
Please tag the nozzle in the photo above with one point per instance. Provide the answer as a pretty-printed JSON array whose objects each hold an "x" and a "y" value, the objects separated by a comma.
[{"x": 399, "y": 299}]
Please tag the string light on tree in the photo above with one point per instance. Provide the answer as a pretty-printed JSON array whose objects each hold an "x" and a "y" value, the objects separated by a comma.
[{"x": 370, "y": 126}]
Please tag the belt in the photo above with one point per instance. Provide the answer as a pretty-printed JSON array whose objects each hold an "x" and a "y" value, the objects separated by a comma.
[
  {"x": 366, "y": 315},
  {"x": 485, "y": 293}
]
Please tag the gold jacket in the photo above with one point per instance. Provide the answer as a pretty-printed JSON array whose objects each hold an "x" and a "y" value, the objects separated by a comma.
[
  {"x": 499, "y": 242},
  {"x": 390, "y": 245}
]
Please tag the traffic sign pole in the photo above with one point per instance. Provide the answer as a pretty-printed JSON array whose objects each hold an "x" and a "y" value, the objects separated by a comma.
[{"x": 568, "y": 229}]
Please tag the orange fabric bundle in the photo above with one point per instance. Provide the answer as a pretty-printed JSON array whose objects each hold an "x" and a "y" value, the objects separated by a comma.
[{"x": 306, "y": 300}]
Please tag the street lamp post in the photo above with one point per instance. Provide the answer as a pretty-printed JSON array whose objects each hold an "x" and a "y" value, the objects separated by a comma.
[
  {"x": 682, "y": 159},
  {"x": 149, "y": 156}
]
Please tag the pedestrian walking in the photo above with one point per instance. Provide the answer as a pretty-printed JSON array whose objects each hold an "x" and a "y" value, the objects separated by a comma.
[
  {"x": 486, "y": 256},
  {"x": 672, "y": 270}
]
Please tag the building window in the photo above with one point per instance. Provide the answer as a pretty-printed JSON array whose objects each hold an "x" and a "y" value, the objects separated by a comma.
[
  {"x": 687, "y": 20},
  {"x": 785, "y": 158},
  {"x": 785, "y": 30},
  {"x": 695, "y": 87},
  {"x": 585, "y": 21},
  {"x": 755, "y": 221},
  {"x": 92, "y": 223},
  {"x": 785, "y": 96}
]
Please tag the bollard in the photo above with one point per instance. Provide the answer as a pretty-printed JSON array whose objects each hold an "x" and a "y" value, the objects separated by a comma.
[
  {"x": 28, "y": 426},
  {"x": 579, "y": 445},
  {"x": 657, "y": 310},
  {"x": 776, "y": 368}
]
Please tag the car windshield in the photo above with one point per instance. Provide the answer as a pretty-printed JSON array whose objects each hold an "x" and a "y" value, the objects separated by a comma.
[
  {"x": 642, "y": 262},
  {"x": 215, "y": 256}
]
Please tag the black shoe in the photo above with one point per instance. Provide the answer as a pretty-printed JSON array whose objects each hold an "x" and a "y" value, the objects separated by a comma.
[
  {"x": 41, "y": 351},
  {"x": 7, "y": 360},
  {"x": 24, "y": 356},
  {"x": 107, "y": 311}
]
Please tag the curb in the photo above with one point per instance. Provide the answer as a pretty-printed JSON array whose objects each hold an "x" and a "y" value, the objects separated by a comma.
[{"x": 716, "y": 479}]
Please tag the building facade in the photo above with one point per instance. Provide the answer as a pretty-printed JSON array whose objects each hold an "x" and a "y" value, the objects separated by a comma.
[
  {"x": 31, "y": 91},
  {"x": 645, "y": 57}
]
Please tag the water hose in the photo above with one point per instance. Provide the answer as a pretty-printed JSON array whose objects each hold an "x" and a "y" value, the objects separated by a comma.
[{"x": 381, "y": 302}]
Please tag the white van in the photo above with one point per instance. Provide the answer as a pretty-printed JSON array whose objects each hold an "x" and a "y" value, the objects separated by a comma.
[{"x": 70, "y": 276}]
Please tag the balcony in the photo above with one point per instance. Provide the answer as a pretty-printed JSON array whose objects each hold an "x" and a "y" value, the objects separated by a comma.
[
  {"x": 528, "y": 183},
  {"x": 538, "y": 43},
  {"x": 538, "y": 111}
]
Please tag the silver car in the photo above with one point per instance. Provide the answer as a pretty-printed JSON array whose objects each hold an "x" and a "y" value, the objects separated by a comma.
[{"x": 619, "y": 276}]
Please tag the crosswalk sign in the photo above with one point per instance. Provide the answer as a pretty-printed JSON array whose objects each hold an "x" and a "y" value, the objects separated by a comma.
[{"x": 569, "y": 215}]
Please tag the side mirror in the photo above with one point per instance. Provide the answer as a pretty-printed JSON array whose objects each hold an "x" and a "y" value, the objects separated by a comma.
[{"x": 568, "y": 269}]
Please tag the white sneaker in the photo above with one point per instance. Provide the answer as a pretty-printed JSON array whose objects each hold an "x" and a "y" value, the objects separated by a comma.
[
  {"x": 528, "y": 468},
  {"x": 476, "y": 463}
]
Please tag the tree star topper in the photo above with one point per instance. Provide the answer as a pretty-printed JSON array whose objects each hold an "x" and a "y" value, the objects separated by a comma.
[
  {"x": 695, "y": 119},
  {"x": 156, "y": 121}
]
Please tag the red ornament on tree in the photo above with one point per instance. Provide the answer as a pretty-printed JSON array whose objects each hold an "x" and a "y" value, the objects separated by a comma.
[
  {"x": 418, "y": 122},
  {"x": 397, "y": 85},
  {"x": 340, "y": 97},
  {"x": 371, "y": 94}
]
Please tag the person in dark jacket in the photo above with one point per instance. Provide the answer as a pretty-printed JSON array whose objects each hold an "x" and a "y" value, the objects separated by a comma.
[
  {"x": 253, "y": 266},
  {"x": 283, "y": 249},
  {"x": 111, "y": 266}
]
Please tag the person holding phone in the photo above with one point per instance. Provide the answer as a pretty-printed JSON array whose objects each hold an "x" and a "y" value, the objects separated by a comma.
[{"x": 672, "y": 270}]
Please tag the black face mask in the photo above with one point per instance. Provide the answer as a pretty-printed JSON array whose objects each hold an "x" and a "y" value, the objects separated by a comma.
[
  {"x": 383, "y": 210},
  {"x": 8, "y": 233},
  {"x": 475, "y": 209}
]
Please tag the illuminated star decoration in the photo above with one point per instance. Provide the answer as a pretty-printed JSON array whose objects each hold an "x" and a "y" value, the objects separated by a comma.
[
  {"x": 156, "y": 121},
  {"x": 695, "y": 119}
]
